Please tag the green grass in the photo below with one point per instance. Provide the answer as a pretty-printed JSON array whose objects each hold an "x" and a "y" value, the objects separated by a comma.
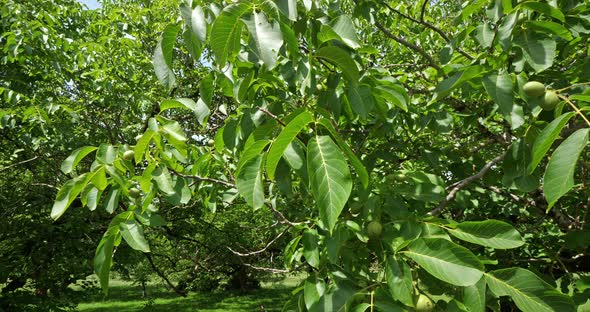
[{"x": 125, "y": 297}]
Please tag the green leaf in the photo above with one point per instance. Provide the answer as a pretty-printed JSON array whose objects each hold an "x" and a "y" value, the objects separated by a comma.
[
  {"x": 490, "y": 233},
  {"x": 104, "y": 255},
  {"x": 162, "y": 58},
  {"x": 72, "y": 161},
  {"x": 267, "y": 37},
  {"x": 143, "y": 143},
  {"x": 226, "y": 31},
  {"x": 543, "y": 8},
  {"x": 99, "y": 178},
  {"x": 200, "y": 108},
  {"x": 474, "y": 296},
  {"x": 399, "y": 280},
  {"x": 283, "y": 140},
  {"x": 550, "y": 27},
  {"x": 330, "y": 180},
  {"x": 195, "y": 29},
  {"x": 559, "y": 175},
  {"x": 254, "y": 150},
  {"x": 447, "y": 86},
  {"x": 360, "y": 99},
  {"x": 529, "y": 292},
  {"x": 112, "y": 200},
  {"x": 289, "y": 8},
  {"x": 249, "y": 182},
  {"x": 500, "y": 89},
  {"x": 313, "y": 290},
  {"x": 163, "y": 180},
  {"x": 132, "y": 233},
  {"x": 546, "y": 138},
  {"x": 539, "y": 50},
  {"x": 446, "y": 261},
  {"x": 66, "y": 195},
  {"x": 343, "y": 26},
  {"x": 311, "y": 250},
  {"x": 354, "y": 160},
  {"x": 342, "y": 59}
]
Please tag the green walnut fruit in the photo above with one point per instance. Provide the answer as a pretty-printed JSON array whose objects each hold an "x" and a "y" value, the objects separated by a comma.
[
  {"x": 211, "y": 142},
  {"x": 128, "y": 155},
  {"x": 374, "y": 229},
  {"x": 134, "y": 192},
  {"x": 355, "y": 208},
  {"x": 533, "y": 88},
  {"x": 550, "y": 100},
  {"x": 424, "y": 304}
]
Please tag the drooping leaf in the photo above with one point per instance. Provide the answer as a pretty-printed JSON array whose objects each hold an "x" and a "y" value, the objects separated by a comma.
[
  {"x": 195, "y": 29},
  {"x": 499, "y": 87},
  {"x": 529, "y": 292},
  {"x": 283, "y": 140},
  {"x": 490, "y": 233},
  {"x": 559, "y": 175},
  {"x": 104, "y": 255},
  {"x": 72, "y": 161},
  {"x": 546, "y": 138},
  {"x": 163, "y": 180},
  {"x": 162, "y": 58},
  {"x": 329, "y": 178},
  {"x": 399, "y": 280},
  {"x": 200, "y": 109},
  {"x": 474, "y": 296},
  {"x": 446, "y": 261},
  {"x": 249, "y": 182},
  {"x": 361, "y": 100},
  {"x": 226, "y": 31},
  {"x": 311, "y": 250},
  {"x": 289, "y": 8},
  {"x": 267, "y": 37},
  {"x": 354, "y": 160},
  {"x": 132, "y": 233},
  {"x": 143, "y": 143},
  {"x": 539, "y": 50},
  {"x": 313, "y": 290},
  {"x": 343, "y": 60},
  {"x": 343, "y": 26},
  {"x": 543, "y": 8}
]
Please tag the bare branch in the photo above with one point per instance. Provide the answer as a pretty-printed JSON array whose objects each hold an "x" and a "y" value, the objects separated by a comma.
[
  {"x": 457, "y": 186},
  {"x": 283, "y": 220},
  {"x": 271, "y": 270},
  {"x": 163, "y": 276},
  {"x": 261, "y": 250},
  {"x": 18, "y": 163}
]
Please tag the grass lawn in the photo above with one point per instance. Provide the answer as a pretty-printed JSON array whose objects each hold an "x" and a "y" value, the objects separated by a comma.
[{"x": 125, "y": 297}]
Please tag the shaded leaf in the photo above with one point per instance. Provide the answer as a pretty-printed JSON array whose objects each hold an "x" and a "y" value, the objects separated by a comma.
[{"x": 490, "y": 233}]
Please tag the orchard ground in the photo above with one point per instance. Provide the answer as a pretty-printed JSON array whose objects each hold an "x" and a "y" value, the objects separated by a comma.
[{"x": 126, "y": 296}]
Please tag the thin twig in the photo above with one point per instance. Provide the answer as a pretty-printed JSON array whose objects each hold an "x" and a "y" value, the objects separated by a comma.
[
  {"x": 272, "y": 270},
  {"x": 423, "y": 10},
  {"x": 407, "y": 44},
  {"x": 18, "y": 163},
  {"x": 283, "y": 220},
  {"x": 199, "y": 178},
  {"x": 273, "y": 116},
  {"x": 457, "y": 186},
  {"x": 252, "y": 253},
  {"x": 573, "y": 86}
]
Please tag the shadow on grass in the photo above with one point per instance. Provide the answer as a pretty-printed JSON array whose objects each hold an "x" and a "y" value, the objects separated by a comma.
[{"x": 126, "y": 298}]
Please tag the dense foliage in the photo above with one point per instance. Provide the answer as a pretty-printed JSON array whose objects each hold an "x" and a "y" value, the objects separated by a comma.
[{"x": 399, "y": 152}]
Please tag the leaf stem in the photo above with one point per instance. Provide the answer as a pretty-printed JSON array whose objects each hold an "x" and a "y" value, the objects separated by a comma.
[
  {"x": 572, "y": 86},
  {"x": 578, "y": 111}
]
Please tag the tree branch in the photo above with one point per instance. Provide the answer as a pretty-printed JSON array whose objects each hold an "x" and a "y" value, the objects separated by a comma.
[
  {"x": 18, "y": 163},
  {"x": 258, "y": 251},
  {"x": 407, "y": 44},
  {"x": 163, "y": 276},
  {"x": 271, "y": 115},
  {"x": 199, "y": 178},
  {"x": 457, "y": 186}
]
